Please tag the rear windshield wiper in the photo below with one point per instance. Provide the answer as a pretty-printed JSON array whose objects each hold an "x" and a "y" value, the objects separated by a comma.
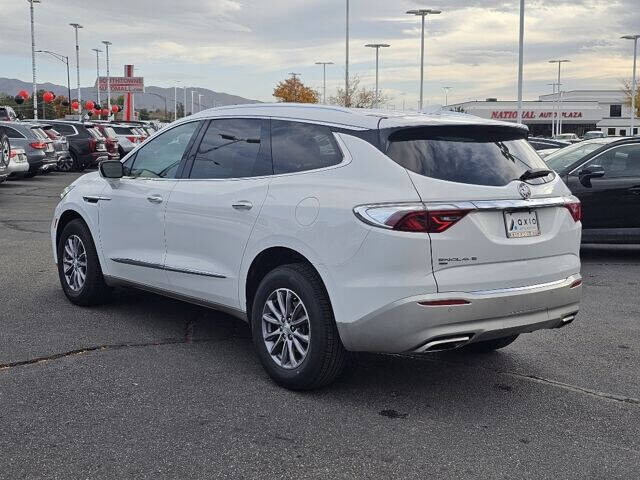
[{"x": 535, "y": 173}]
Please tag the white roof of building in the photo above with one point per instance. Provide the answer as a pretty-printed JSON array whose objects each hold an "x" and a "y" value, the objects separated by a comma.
[{"x": 347, "y": 117}]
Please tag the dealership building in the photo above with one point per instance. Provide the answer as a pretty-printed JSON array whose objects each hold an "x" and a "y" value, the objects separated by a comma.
[{"x": 580, "y": 111}]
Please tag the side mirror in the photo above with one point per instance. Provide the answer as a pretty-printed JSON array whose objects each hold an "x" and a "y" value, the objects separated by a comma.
[
  {"x": 111, "y": 169},
  {"x": 592, "y": 171}
]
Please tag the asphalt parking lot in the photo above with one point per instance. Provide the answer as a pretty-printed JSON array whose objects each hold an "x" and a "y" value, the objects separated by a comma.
[{"x": 148, "y": 387}]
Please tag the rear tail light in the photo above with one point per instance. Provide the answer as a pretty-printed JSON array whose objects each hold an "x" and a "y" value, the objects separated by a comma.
[
  {"x": 409, "y": 217},
  {"x": 575, "y": 209},
  {"x": 92, "y": 144},
  {"x": 39, "y": 145},
  {"x": 576, "y": 284},
  {"x": 132, "y": 139},
  {"x": 13, "y": 153}
]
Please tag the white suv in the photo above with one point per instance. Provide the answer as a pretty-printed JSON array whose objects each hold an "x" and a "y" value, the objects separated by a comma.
[{"x": 332, "y": 230}]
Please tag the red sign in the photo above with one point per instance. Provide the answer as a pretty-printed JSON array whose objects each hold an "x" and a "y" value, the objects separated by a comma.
[
  {"x": 122, "y": 84},
  {"x": 531, "y": 115}
]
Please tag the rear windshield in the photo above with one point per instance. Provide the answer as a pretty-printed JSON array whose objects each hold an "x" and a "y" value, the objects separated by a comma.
[
  {"x": 94, "y": 132},
  {"x": 464, "y": 154},
  {"x": 40, "y": 133},
  {"x": 122, "y": 130},
  {"x": 109, "y": 132}
]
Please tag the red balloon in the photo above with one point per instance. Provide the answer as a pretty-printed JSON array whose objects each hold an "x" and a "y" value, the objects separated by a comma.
[
  {"x": 97, "y": 111},
  {"x": 24, "y": 94},
  {"x": 115, "y": 108},
  {"x": 75, "y": 105},
  {"x": 47, "y": 97},
  {"x": 90, "y": 105},
  {"x": 105, "y": 111}
]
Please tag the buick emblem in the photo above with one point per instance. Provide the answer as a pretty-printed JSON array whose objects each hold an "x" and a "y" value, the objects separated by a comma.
[{"x": 524, "y": 191}]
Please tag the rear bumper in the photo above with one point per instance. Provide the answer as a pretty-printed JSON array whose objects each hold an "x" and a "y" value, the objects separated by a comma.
[{"x": 407, "y": 326}]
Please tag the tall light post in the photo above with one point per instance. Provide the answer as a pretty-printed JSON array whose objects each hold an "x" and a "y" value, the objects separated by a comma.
[
  {"x": 76, "y": 26},
  {"x": 295, "y": 85},
  {"x": 184, "y": 100},
  {"x": 423, "y": 12},
  {"x": 64, "y": 59},
  {"x": 520, "y": 60},
  {"x": 553, "y": 109},
  {"x": 446, "y": 95},
  {"x": 106, "y": 46},
  {"x": 558, "y": 124},
  {"x": 200, "y": 95},
  {"x": 33, "y": 60},
  {"x": 633, "y": 80},
  {"x": 377, "y": 46},
  {"x": 324, "y": 79},
  {"x": 97, "y": 50},
  {"x": 347, "y": 102},
  {"x": 175, "y": 101},
  {"x": 192, "y": 111}
]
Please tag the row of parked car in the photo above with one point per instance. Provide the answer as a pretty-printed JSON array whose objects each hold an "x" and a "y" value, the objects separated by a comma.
[{"x": 31, "y": 147}]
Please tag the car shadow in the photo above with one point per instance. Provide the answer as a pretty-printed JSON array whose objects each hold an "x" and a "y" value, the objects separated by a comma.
[{"x": 606, "y": 252}]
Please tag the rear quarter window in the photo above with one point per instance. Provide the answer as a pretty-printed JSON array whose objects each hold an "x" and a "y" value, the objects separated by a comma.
[
  {"x": 298, "y": 147},
  {"x": 477, "y": 155}
]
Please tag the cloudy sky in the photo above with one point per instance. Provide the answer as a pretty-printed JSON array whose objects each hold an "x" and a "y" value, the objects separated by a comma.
[{"x": 245, "y": 47}]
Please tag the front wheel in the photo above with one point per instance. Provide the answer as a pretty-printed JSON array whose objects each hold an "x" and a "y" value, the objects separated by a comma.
[
  {"x": 489, "y": 346},
  {"x": 294, "y": 331},
  {"x": 78, "y": 266}
]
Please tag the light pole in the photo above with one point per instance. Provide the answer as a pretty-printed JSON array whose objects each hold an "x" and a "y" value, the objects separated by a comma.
[
  {"x": 347, "y": 97},
  {"x": 423, "y": 12},
  {"x": 200, "y": 95},
  {"x": 33, "y": 60},
  {"x": 97, "y": 50},
  {"x": 377, "y": 46},
  {"x": 446, "y": 95},
  {"x": 324, "y": 79},
  {"x": 633, "y": 79},
  {"x": 106, "y": 46},
  {"x": 184, "y": 104},
  {"x": 76, "y": 26},
  {"x": 64, "y": 59},
  {"x": 295, "y": 85},
  {"x": 175, "y": 102},
  {"x": 553, "y": 120},
  {"x": 520, "y": 60},
  {"x": 192, "y": 92},
  {"x": 558, "y": 124}
]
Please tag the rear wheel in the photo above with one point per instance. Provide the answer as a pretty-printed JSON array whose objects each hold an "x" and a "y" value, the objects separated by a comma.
[
  {"x": 78, "y": 266},
  {"x": 5, "y": 150},
  {"x": 294, "y": 331},
  {"x": 66, "y": 164},
  {"x": 489, "y": 346}
]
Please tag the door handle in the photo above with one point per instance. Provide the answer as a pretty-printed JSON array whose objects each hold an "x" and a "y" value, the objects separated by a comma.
[
  {"x": 635, "y": 190},
  {"x": 155, "y": 198},
  {"x": 243, "y": 205}
]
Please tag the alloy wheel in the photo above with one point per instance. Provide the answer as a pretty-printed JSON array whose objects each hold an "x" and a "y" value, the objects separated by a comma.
[
  {"x": 74, "y": 263},
  {"x": 285, "y": 328},
  {"x": 5, "y": 152},
  {"x": 66, "y": 164}
]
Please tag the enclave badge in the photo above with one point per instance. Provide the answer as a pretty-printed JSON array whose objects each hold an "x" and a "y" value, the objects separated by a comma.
[{"x": 524, "y": 190}]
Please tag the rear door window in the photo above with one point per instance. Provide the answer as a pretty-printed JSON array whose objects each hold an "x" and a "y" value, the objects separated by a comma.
[
  {"x": 297, "y": 147},
  {"x": 476, "y": 155},
  {"x": 234, "y": 148},
  {"x": 620, "y": 162},
  {"x": 11, "y": 133}
]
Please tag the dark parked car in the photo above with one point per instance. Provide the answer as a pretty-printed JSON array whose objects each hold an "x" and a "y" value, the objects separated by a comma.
[
  {"x": 60, "y": 145},
  {"x": 606, "y": 179},
  {"x": 38, "y": 147},
  {"x": 86, "y": 145},
  {"x": 111, "y": 140},
  {"x": 547, "y": 143}
]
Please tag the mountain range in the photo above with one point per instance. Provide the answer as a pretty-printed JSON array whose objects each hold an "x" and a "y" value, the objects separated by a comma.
[{"x": 149, "y": 100}]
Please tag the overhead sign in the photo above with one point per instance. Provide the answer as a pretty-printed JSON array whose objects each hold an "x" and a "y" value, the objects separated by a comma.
[{"x": 122, "y": 84}]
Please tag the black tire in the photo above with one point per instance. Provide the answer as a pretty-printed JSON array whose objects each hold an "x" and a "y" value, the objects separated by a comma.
[
  {"x": 67, "y": 165},
  {"x": 77, "y": 165},
  {"x": 5, "y": 150},
  {"x": 94, "y": 290},
  {"x": 326, "y": 356},
  {"x": 489, "y": 346}
]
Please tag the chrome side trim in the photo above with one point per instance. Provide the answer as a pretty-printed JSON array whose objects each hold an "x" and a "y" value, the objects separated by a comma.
[
  {"x": 92, "y": 199},
  {"x": 193, "y": 272},
  {"x": 501, "y": 204},
  {"x": 236, "y": 312},
  {"x": 157, "y": 266}
]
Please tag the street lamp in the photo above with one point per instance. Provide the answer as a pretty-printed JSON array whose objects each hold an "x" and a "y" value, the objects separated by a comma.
[
  {"x": 633, "y": 79},
  {"x": 106, "y": 45},
  {"x": 324, "y": 79},
  {"x": 97, "y": 50},
  {"x": 446, "y": 95},
  {"x": 377, "y": 46},
  {"x": 64, "y": 59},
  {"x": 33, "y": 60},
  {"x": 423, "y": 12},
  {"x": 558, "y": 124},
  {"x": 76, "y": 26},
  {"x": 200, "y": 95},
  {"x": 520, "y": 60},
  {"x": 347, "y": 102},
  {"x": 553, "y": 120}
]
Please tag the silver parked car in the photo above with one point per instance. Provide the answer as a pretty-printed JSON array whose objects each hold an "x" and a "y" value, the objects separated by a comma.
[
  {"x": 18, "y": 164},
  {"x": 38, "y": 147}
]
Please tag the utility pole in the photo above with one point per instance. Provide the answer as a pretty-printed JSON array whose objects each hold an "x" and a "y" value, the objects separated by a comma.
[
  {"x": 76, "y": 26},
  {"x": 33, "y": 60},
  {"x": 347, "y": 102},
  {"x": 558, "y": 125},
  {"x": 520, "y": 60},
  {"x": 107, "y": 44},
  {"x": 633, "y": 80},
  {"x": 423, "y": 12},
  {"x": 97, "y": 50},
  {"x": 377, "y": 46}
]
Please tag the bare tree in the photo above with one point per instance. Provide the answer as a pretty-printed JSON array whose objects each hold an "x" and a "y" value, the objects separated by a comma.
[{"x": 357, "y": 97}]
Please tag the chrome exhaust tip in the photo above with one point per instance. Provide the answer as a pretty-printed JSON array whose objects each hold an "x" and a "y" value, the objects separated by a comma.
[
  {"x": 443, "y": 344},
  {"x": 567, "y": 319}
]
